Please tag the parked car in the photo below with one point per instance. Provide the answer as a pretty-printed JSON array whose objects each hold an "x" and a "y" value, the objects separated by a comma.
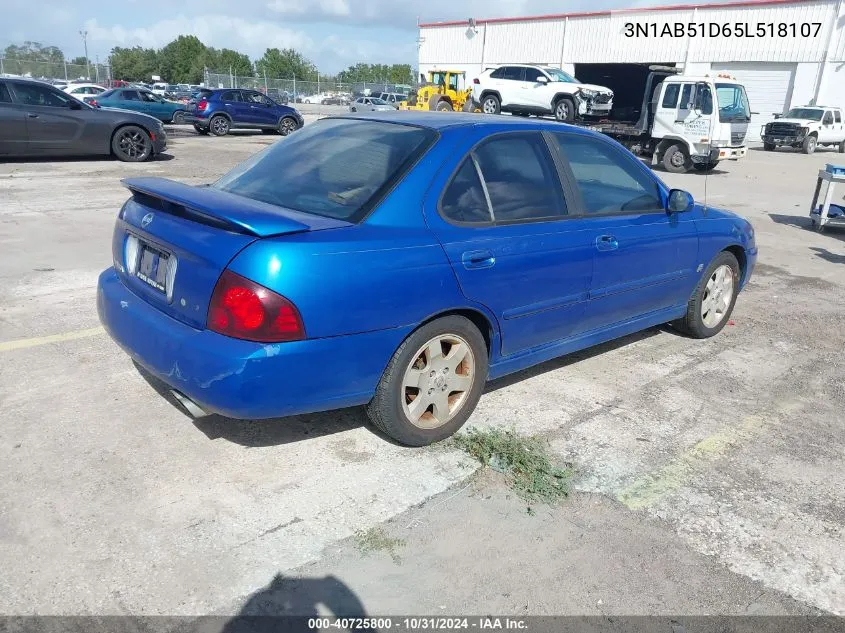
[
  {"x": 80, "y": 91},
  {"x": 37, "y": 119},
  {"x": 370, "y": 104},
  {"x": 143, "y": 101},
  {"x": 159, "y": 88},
  {"x": 227, "y": 109},
  {"x": 806, "y": 127},
  {"x": 335, "y": 100},
  {"x": 393, "y": 98},
  {"x": 528, "y": 89},
  {"x": 521, "y": 261}
]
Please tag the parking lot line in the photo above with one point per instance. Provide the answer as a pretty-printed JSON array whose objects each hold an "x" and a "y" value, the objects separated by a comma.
[
  {"x": 8, "y": 346},
  {"x": 653, "y": 487}
]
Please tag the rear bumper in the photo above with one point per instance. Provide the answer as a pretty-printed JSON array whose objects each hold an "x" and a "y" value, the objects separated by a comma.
[{"x": 242, "y": 379}]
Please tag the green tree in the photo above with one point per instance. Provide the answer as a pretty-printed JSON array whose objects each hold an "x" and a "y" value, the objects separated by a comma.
[
  {"x": 286, "y": 64},
  {"x": 134, "y": 64},
  {"x": 183, "y": 60},
  {"x": 377, "y": 73},
  {"x": 80, "y": 61},
  {"x": 34, "y": 52},
  {"x": 226, "y": 60}
]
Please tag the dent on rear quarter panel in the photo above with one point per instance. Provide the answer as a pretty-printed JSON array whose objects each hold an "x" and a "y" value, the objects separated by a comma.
[{"x": 389, "y": 271}]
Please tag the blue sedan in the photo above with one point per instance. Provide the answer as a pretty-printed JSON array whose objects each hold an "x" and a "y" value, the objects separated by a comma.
[{"x": 401, "y": 260}]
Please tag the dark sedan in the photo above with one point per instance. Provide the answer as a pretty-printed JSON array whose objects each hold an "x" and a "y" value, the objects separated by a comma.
[{"x": 37, "y": 119}]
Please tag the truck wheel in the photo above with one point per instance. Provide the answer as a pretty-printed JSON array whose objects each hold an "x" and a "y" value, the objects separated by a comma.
[
  {"x": 842, "y": 147},
  {"x": 675, "y": 159},
  {"x": 769, "y": 147},
  {"x": 809, "y": 144},
  {"x": 565, "y": 110},
  {"x": 491, "y": 105},
  {"x": 444, "y": 106}
]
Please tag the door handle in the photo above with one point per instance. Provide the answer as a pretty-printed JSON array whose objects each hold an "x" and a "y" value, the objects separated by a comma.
[
  {"x": 477, "y": 259},
  {"x": 606, "y": 243}
]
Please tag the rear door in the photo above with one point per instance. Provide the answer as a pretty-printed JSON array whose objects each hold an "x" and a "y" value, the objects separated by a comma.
[
  {"x": 510, "y": 84},
  {"x": 233, "y": 105},
  {"x": 52, "y": 125},
  {"x": 14, "y": 140},
  {"x": 504, "y": 223},
  {"x": 644, "y": 259}
]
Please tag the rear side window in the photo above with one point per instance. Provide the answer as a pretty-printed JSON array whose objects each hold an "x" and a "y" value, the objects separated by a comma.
[
  {"x": 670, "y": 97},
  {"x": 130, "y": 95},
  {"x": 33, "y": 94},
  {"x": 335, "y": 167},
  {"x": 836, "y": 115},
  {"x": 828, "y": 118},
  {"x": 5, "y": 97},
  {"x": 107, "y": 94},
  {"x": 609, "y": 179},
  {"x": 464, "y": 200},
  {"x": 231, "y": 95},
  {"x": 514, "y": 73}
]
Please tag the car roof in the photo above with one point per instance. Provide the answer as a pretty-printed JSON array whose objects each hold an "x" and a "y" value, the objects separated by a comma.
[{"x": 446, "y": 120}]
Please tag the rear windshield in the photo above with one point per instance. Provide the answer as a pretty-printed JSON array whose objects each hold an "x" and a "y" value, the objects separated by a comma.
[
  {"x": 334, "y": 167},
  {"x": 107, "y": 93}
]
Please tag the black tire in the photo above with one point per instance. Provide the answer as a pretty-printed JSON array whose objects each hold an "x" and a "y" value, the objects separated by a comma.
[
  {"x": 387, "y": 408},
  {"x": 675, "y": 160},
  {"x": 219, "y": 125},
  {"x": 287, "y": 126},
  {"x": 809, "y": 144},
  {"x": 564, "y": 110},
  {"x": 444, "y": 106},
  {"x": 200, "y": 130},
  {"x": 693, "y": 322},
  {"x": 132, "y": 144},
  {"x": 178, "y": 117},
  {"x": 490, "y": 104},
  {"x": 769, "y": 147},
  {"x": 705, "y": 167},
  {"x": 842, "y": 147}
]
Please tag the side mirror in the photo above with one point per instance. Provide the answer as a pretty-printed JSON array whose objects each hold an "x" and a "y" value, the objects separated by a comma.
[
  {"x": 679, "y": 201},
  {"x": 542, "y": 80}
]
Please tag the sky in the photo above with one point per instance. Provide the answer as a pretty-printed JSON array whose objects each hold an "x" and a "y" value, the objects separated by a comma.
[{"x": 334, "y": 34}]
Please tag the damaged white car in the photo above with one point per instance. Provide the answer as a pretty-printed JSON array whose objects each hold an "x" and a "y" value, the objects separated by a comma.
[{"x": 526, "y": 89}]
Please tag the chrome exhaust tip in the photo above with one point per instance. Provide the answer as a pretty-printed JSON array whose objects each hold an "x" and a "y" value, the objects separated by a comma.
[{"x": 193, "y": 409}]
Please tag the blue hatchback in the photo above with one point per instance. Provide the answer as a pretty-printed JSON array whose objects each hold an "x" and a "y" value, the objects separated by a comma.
[
  {"x": 219, "y": 111},
  {"x": 400, "y": 260}
]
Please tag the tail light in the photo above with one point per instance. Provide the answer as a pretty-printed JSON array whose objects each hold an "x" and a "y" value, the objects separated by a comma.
[
  {"x": 202, "y": 105},
  {"x": 93, "y": 103},
  {"x": 243, "y": 309},
  {"x": 476, "y": 82}
]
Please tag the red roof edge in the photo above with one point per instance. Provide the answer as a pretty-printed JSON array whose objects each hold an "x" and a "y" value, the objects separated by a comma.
[{"x": 588, "y": 14}]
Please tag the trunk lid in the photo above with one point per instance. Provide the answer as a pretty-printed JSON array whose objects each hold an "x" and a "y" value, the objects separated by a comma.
[{"x": 172, "y": 241}]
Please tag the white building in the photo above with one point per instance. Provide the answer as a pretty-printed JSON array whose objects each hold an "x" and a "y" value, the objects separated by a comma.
[{"x": 795, "y": 57}]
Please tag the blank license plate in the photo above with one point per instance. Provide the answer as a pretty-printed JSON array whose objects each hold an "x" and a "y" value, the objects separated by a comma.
[{"x": 152, "y": 267}]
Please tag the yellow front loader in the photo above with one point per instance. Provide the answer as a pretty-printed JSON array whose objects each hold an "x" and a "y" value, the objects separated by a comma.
[{"x": 445, "y": 90}]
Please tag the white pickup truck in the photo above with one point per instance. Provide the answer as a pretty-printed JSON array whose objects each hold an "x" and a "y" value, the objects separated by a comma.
[{"x": 806, "y": 127}]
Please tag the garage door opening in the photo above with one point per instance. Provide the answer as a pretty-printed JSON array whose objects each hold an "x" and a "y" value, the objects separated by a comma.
[{"x": 627, "y": 81}]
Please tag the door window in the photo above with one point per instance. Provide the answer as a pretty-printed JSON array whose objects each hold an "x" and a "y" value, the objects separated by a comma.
[
  {"x": 836, "y": 115},
  {"x": 149, "y": 97},
  {"x": 255, "y": 97},
  {"x": 704, "y": 99},
  {"x": 610, "y": 180},
  {"x": 670, "y": 97},
  {"x": 131, "y": 95},
  {"x": 514, "y": 73},
  {"x": 35, "y": 95},
  {"x": 686, "y": 97},
  {"x": 231, "y": 96},
  {"x": 5, "y": 97},
  {"x": 828, "y": 118}
]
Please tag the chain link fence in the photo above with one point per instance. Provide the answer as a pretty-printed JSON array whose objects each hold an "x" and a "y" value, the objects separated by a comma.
[
  {"x": 300, "y": 89},
  {"x": 56, "y": 71}
]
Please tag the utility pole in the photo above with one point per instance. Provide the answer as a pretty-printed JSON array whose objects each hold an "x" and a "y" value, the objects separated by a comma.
[
  {"x": 84, "y": 35},
  {"x": 97, "y": 68}
]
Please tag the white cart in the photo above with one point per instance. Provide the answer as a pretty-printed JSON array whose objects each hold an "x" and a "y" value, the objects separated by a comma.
[{"x": 821, "y": 220}]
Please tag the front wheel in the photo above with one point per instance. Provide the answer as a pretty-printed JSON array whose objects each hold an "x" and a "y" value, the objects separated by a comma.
[
  {"x": 713, "y": 300},
  {"x": 675, "y": 160},
  {"x": 432, "y": 384},
  {"x": 132, "y": 144},
  {"x": 769, "y": 147},
  {"x": 178, "y": 117},
  {"x": 287, "y": 126},
  {"x": 565, "y": 110},
  {"x": 809, "y": 145}
]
